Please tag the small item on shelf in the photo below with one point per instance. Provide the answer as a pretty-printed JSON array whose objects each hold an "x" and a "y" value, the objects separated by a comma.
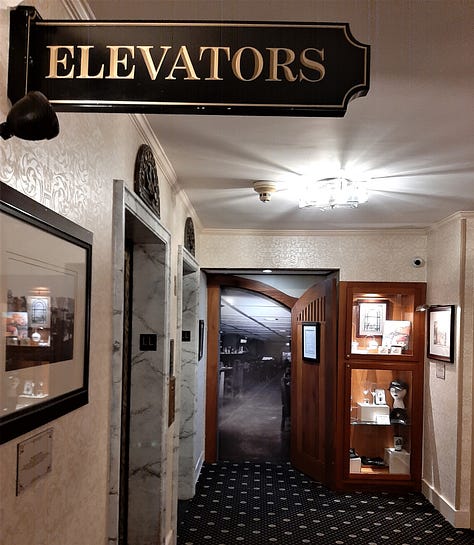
[
  {"x": 354, "y": 461},
  {"x": 397, "y": 442},
  {"x": 370, "y": 412},
  {"x": 398, "y": 461},
  {"x": 372, "y": 345},
  {"x": 398, "y": 391},
  {"x": 376, "y": 461},
  {"x": 379, "y": 396}
]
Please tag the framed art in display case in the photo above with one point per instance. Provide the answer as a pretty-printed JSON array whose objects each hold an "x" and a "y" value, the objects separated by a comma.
[
  {"x": 371, "y": 316},
  {"x": 441, "y": 333},
  {"x": 45, "y": 300}
]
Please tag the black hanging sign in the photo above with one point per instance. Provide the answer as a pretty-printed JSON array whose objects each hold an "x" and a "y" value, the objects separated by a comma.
[{"x": 299, "y": 69}]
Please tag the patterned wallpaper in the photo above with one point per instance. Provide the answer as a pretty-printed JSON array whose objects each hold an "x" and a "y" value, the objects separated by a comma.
[
  {"x": 363, "y": 256},
  {"x": 72, "y": 174},
  {"x": 448, "y": 424}
]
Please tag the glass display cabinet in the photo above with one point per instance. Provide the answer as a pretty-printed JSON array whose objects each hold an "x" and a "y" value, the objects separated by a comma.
[{"x": 380, "y": 376}]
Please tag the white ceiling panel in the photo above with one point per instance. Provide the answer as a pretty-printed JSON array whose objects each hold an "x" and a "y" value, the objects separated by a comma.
[{"x": 412, "y": 136}]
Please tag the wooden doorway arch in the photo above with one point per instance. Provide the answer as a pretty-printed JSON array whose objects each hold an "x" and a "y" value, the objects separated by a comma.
[{"x": 215, "y": 282}]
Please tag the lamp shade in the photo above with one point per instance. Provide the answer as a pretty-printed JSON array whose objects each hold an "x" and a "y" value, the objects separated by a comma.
[{"x": 31, "y": 118}]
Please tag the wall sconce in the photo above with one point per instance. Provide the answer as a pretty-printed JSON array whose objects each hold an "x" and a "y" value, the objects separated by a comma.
[
  {"x": 31, "y": 118},
  {"x": 422, "y": 308}
]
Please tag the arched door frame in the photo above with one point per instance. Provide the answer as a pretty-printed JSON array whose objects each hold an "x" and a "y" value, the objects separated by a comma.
[{"x": 215, "y": 282}]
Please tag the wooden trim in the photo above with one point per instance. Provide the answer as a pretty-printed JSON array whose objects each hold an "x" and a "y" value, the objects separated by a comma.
[
  {"x": 213, "y": 323},
  {"x": 224, "y": 280}
]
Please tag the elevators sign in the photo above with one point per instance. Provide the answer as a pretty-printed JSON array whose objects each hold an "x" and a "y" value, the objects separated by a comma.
[
  {"x": 298, "y": 69},
  {"x": 34, "y": 459}
]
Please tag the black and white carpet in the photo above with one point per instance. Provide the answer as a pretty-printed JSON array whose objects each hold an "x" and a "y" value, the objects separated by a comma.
[{"x": 265, "y": 503}]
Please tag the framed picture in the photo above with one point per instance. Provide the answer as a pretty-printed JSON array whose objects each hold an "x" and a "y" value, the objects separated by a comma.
[
  {"x": 201, "y": 339},
  {"x": 396, "y": 335},
  {"x": 441, "y": 333},
  {"x": 371, "y": 316},
  {"x": 45, "y": 301},
  {"x": 311, "y": 335}
]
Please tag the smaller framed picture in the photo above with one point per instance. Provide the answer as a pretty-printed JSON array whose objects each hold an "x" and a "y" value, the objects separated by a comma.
[
  {"x": 201, "y": 339},
  {"x": 441, "y": 333},
  {"x": 311, "y": 341}
]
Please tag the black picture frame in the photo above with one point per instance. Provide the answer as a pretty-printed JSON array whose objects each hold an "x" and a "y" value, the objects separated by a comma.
[
  {"x": 44, "y": 348},
  {"x": 201, "y": 339},
  {"x": 311, "y": 341},
  {"x": 441, "y": 320},
  {"x": 371, "y": 316}
]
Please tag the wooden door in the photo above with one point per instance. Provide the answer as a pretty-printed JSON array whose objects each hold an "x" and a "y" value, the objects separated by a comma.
[{"x": 313, "y": 385}]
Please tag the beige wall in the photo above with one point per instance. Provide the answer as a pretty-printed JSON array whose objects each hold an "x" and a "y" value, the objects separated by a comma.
[
  {"x": 448, "y": 402},
  {"x": 360, "y": 255},
  {"x": 73, "y": 174}
]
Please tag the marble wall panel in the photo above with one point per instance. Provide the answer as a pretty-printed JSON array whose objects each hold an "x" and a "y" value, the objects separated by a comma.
[
  {"x": 188, "y": 380},
  {"x": 148, "y": 416}
]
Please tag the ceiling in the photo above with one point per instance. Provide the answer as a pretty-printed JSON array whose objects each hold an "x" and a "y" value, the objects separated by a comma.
[
  {"x": 412, "y": 136},
  {"x": 254, "y": 316}
]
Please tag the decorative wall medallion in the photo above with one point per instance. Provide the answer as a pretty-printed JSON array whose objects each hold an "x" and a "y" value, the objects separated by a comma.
[
  {"x": 189, "y": 239},
  {"x": 146, "y": 178}
]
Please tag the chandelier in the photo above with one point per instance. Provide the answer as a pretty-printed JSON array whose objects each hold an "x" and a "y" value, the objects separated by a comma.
[{"x": 332, "y": 193}]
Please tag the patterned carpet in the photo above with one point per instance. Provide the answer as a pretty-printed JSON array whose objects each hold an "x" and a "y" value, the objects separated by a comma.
[{"x": 264, "y": 503}]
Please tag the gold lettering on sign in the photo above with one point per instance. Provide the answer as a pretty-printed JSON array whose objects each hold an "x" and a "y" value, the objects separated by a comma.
[
  {"x": 280, "y": 63},
  {"x": 274, "y": 64},
  {"x": 237, "y": 59},
  {"x": 115, "y": 61},
  {"x": 312, "y": 65},
  {"x": 187, "y": 65},
  {"x": 54, "y": 61},
  {"x": 214, "y": 60},
  {"x": 153, "y": 70},
  {"x": 85, "y": 64}
]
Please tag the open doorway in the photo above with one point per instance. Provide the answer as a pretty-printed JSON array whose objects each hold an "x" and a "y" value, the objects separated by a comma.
[
  {"x": 312, "y": 298},
  {"x": 254, "y": 378}
]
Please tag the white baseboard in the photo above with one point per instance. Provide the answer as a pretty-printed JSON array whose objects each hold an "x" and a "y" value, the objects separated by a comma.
[
  {"x": 458, "y": 519},
  {"x": 169, "y": 538}
]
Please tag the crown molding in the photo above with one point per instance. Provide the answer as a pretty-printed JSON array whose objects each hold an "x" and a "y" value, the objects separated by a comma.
[
  {"x": 453, "y": 218},
  {"x": 145, "y": 131},
  {"x": 79, "y": 9},
  {"x": 148, "y": 135},
  {"x": 320, "y": 233}
]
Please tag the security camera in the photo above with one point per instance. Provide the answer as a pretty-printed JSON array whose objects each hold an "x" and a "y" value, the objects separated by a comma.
[{"x": 417, "y": 262}]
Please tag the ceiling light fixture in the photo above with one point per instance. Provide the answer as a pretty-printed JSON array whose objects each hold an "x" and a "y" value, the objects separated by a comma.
[
  {"x": 329, "y": 193},
  {"x": 31, "y": 118}
]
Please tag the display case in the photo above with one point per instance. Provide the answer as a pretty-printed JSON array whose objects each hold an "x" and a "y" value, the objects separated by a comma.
[{"x": 380, "y": 376}]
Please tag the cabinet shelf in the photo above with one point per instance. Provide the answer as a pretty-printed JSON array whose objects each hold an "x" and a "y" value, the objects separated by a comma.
[{"x": 368, "y": 423}]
